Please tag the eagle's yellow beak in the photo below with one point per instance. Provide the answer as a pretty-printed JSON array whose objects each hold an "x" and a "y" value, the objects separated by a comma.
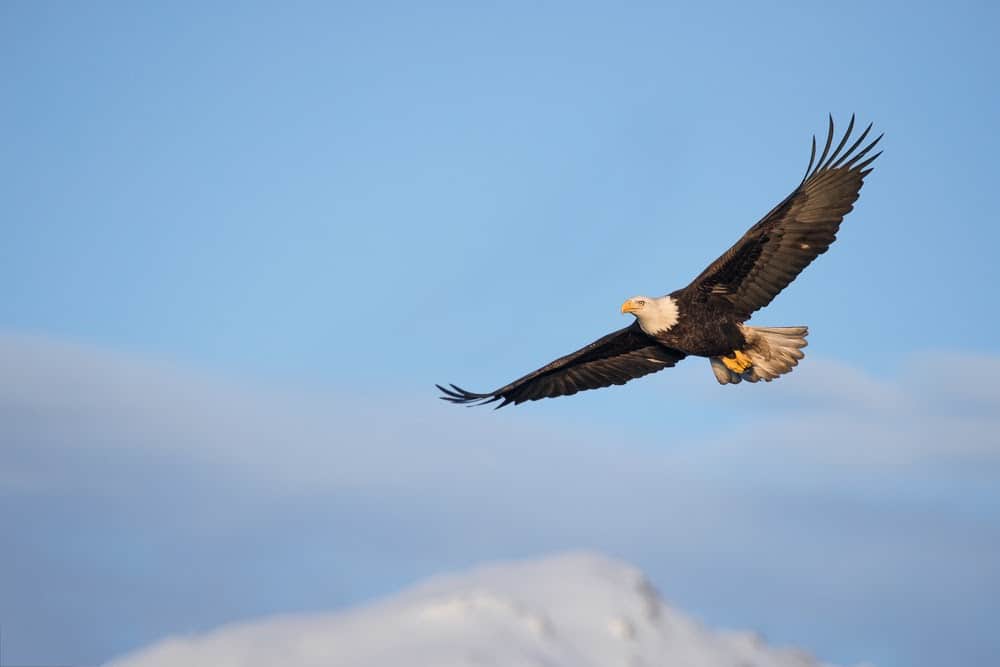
[{"x": 629, "y": 306}]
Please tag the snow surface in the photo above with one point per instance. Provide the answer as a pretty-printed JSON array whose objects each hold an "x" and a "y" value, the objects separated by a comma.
[{"x": 571, "y": 610}]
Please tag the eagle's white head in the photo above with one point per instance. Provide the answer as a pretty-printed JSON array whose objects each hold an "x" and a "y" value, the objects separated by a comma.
[{"x": 655, "y": 314}]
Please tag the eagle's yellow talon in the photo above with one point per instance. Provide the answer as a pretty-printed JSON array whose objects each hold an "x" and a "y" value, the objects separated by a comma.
[{"x": 737, "y": 362}]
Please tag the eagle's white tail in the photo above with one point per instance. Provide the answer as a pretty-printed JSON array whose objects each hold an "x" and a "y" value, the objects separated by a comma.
[{"x": 769, "y": 352}]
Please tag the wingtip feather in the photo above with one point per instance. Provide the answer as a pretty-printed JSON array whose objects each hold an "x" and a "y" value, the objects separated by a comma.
[
  {"x": 455, "y": 394},
  {"x": 840, "y": 158}
]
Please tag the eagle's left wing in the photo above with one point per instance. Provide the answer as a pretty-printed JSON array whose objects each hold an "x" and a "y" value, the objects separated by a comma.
[
  {"x": 799, "y": 229},
  {"x": 620, "y": 356}
]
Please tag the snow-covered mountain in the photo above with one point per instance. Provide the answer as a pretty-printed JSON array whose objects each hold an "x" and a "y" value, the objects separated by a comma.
[{"x": 571, "y": 610}]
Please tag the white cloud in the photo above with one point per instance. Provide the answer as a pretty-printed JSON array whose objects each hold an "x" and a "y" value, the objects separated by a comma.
[
  {"x": 573, "y": 610},
  {"x": 146, "y": 472},
  {"x": 940, "y": 410},
  {"x": 79, "y": 398}
]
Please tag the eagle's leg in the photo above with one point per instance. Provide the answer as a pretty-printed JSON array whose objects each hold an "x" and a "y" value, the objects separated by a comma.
[{"x": 737, "y": 362}]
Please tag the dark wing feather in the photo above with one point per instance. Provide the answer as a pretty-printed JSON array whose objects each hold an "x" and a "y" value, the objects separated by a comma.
[
  {"x": 799, "y": 229},
  {"x": 616, "y": 358}
]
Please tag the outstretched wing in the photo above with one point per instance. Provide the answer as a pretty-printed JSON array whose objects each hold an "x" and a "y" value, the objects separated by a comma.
[
  {"x": 775, "y": 250},
  {"x": 617, "y": 358}
]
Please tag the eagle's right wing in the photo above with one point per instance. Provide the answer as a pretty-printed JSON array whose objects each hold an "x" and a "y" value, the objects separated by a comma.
[{"x": 616, "y": 358}]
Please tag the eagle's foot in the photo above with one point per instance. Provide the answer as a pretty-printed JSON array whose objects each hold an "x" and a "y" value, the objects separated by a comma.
[{"x": 737, "y": 362}]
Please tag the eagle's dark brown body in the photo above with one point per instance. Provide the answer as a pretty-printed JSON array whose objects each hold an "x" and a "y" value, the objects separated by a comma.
[{"x": 705, "y": 326}]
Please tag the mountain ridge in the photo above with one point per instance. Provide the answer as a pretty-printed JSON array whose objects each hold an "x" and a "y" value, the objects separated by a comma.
[{"x": 576, "y": 609}]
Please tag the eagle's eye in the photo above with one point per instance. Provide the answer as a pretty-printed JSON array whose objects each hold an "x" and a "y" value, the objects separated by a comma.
[{"x": 641, "y": 302}]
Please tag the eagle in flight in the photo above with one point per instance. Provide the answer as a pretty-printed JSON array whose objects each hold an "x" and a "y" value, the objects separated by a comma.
[{"x": 706, "y": 318}]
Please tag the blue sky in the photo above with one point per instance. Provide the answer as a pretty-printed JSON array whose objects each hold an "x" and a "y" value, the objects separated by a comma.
[{"x": 341, "y": 204}]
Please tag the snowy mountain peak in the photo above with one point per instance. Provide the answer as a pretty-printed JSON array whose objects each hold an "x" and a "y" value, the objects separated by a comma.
[{"x": 569, "y": 610}]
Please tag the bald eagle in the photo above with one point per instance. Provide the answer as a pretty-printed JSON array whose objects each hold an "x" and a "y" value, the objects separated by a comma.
[{"x": 706, "y": 318}]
